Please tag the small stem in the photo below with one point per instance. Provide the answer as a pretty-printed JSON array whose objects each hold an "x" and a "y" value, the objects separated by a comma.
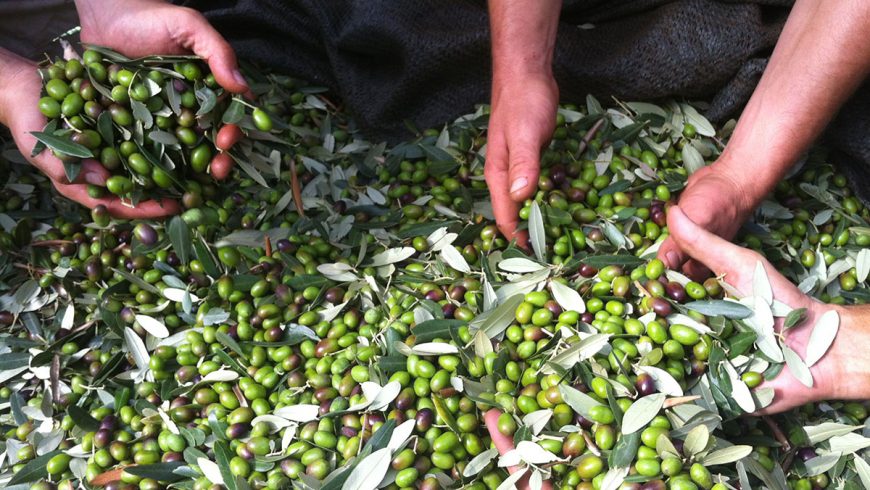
[
  {"x": 589, "y": 135},
  {"x": 268, "y": 246},
  {"x": 778, "y": 434}
]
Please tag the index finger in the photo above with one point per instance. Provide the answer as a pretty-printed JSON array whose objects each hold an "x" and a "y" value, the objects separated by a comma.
[
  {"x": 504, "y": 208},
  {"x": 505, "y": 444}
]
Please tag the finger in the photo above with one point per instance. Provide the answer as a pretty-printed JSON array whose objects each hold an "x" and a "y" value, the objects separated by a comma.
[
  {"x": 671, "y": 254},
  {"x": 504, "y": 208},
  {"x": 504, "y": 444},
  {"x": 703, "y": 246},
  {"x": 117, "y": 208},
  {"x": 207, "y": 42},
  {"x": 696, "y": 270},
  {"x": 524, "y": 167},
  {"x": 94, "y": 173}
]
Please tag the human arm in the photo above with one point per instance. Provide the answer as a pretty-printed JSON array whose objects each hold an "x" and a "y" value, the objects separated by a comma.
[
  {"x": 20, "y": 88},
  {"x": 524, "y": 100},
  {"x": 158, "y": 27},
  {"x": 820, "y": 59}
]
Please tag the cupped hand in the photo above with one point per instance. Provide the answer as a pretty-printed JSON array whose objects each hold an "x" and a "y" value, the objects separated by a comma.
[
  {"x": 150, "y": 27},
  {"x": 737, "y": 265},
  {"x": 718, "y": 202},
  {"x": 18, "y": 111},
  {"x": 522, "y": 121}
]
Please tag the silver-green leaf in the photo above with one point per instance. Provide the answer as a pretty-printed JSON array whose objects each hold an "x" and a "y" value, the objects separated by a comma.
[
  {"x": 641, "y": 412},
  {"x": 822, "y": 337}
]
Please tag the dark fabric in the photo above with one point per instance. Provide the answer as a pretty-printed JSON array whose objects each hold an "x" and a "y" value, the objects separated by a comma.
[
  {"x": 27, "y": 27},
  {"x": 427, "y": 61}
]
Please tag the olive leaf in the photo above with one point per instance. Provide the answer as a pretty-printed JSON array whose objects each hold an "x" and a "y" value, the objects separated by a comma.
[
  {"x": 586, "y": 348},
  {"x": 863, "y": 470},
  {"x": 520, "y": 265},
  {"x": 392, "y": 256},
  {"x": 367, "y": 475},
  {"x": 222, "y": 456},
  {"x": 793, "y": 318},
  {"x": 298, "y": 413},
  {"x": 454, "y": 259},
  {"x": 739, "y": 391},
  {"x": 848, "y": 443},
  {"x": 536, "y": 232},
  {"x": 702, "y": 125},
  {"x": 822, "y": 463},
  {"x": 35, "y": 469},
  {"x": 83, "y": 419},
  {"x": 822, "y": 337},
  {"x": 62, "y": 145},
  {"x": 434, "y": 349},
  {"x": 826, "y": 430},
  {"x": 692, "y": 159},
  {"x": 614, "y": 478},
  {"x": 663, "y": 380},
  {"x": 137, "y": 348},
  {"x": 497, "y": 320},
  {"x": 179, "y": 236},
  {"x": 761, "y": 322},
  {"x": 152, "y": 326},
  {"x": 641, "y": 412},
  {"x": 718, "y": 307},
  {"x": 696, "y": 441},
  {"x": 338, "y": 272},
  {"x": 568, "y": 298},
  {"x": 580, "y": 402},
  {"x": 862, "y": 266},
  {"x": 797, "y": 367},
  {"x": 726, "y": 455}
]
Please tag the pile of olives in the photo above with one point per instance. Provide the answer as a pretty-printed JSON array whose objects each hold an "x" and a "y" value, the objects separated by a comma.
[{"x": 350, "y": 324}]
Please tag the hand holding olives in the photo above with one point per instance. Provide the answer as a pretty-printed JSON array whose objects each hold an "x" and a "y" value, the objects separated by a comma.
[
  {"x": 160, "y": 28},
  {"x": 522, "y": 121}
]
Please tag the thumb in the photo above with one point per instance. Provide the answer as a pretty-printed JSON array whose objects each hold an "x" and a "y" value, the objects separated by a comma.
[
  {"x": 211, "y": 46},
  {"x": 703, "y": 246},
  {"x": 524, "y": 163}
]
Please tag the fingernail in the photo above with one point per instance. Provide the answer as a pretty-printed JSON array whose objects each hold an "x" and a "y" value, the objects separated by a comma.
[
  {"x": 94, "y": 178},
  {"x": 519, "y": 184},
  {"x": 673, "y": 259},
  {"x": 240, "y": 78}
]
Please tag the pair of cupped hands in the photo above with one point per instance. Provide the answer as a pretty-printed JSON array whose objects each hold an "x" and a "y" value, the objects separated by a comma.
[{"x": 133, "y": 28}]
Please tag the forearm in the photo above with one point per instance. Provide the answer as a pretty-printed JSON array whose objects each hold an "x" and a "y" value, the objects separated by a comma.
[
  {"x": 822, "y": 56},
  {"x": 523, "y": 36}
]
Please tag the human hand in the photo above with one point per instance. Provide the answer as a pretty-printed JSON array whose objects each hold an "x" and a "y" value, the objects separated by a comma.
[
  {"x": 21, "y": 89},
  {"x": 522, "y": 121},
  {"x": 504, "y": 444},
  {"x": 737, "y": 265},
  {"x": 158, "y": 27},
  {"x": 718, "y": 202}
]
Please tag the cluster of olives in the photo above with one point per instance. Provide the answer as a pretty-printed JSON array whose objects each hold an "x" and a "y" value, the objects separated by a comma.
[{"x": 158, "y": 126}]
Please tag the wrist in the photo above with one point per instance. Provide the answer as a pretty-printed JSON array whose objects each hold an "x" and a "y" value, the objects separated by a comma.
[{"x": 849, "y": 372}]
